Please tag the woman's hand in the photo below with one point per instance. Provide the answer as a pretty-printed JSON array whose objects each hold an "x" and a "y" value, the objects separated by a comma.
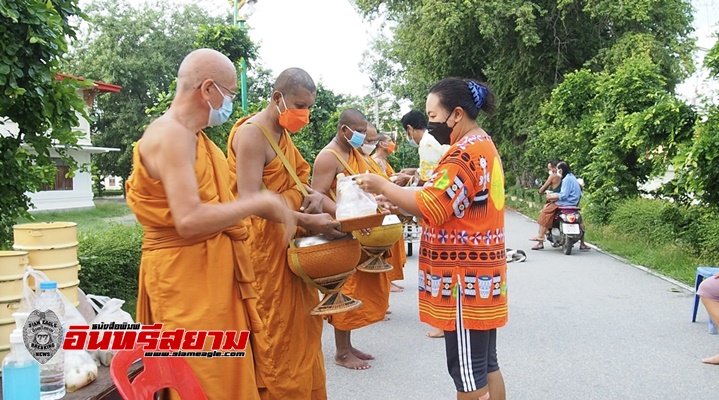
[
  {"x": 372, "y": 183},
  {"x": 385, "y": 204}
]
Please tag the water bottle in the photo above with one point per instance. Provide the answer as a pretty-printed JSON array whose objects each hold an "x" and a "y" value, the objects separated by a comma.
[
  {"x": 52, "y": 373},
  {"x": 20, "y": 372}
]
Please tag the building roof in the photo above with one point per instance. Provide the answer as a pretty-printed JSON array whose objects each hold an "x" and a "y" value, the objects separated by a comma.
[{"x": 98, "y": 85}]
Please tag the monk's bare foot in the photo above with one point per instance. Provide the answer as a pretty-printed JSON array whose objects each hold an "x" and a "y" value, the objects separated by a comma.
[
  {"x": 350, "y": 361},
  {"x": 396, "y": 288},
  {"x": 435, "y": 333},
  {"x": 388, "y": 312},
  {"x": 386, "y": 318},
  {"x": 711, "y": 360},
  {"x": 361, "y": 355}
]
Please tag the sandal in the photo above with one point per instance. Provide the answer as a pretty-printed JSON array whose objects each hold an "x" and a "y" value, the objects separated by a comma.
[
  {"x": 584, "y": 248},
  {"x": 539, "y": 246}
]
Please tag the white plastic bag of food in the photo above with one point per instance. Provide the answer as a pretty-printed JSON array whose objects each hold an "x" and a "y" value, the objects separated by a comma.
[
  {"x": 108, "y": 310},
  {"x": 80, "y": 369},
  {"x": 352, "y": 201}
]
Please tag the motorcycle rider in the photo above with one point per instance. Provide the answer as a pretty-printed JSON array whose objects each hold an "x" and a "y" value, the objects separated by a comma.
[{"x": 569, "y": 196}]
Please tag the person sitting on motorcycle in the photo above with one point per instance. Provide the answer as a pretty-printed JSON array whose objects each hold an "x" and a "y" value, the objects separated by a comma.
[
  {"x": 554, "y": 182},
  {"x": 569, "y": 196}
]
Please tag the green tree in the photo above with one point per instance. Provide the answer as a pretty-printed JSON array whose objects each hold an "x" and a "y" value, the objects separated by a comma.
[
  {"x": 33, "y": 39},
  {"x": 697, "y": 168},
  {"x": 618, "y": 129},
  {"x": 233, "y": 42},
  {"x": 139, "y": 48},
  {"x": 524, "y": 48}
]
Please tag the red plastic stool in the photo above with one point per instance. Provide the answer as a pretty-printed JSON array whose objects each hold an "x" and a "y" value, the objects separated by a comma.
[{"x": 158, "y": 373}]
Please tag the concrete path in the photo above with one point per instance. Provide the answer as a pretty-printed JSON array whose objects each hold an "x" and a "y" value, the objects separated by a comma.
[{"x": 583, "y": 327}]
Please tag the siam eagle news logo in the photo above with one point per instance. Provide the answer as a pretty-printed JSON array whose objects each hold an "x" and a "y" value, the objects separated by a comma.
[{"x": 43, "y": 337}]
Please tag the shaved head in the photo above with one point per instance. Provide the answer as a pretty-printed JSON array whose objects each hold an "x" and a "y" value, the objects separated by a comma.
[
  {"x": 292, "y": 79},
  {"x": 352, "y": 117},
  {"x": 203, "y": 64}
]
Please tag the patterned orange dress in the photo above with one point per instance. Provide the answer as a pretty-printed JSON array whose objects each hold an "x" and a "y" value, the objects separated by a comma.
[{"x": 462, "y": 263}]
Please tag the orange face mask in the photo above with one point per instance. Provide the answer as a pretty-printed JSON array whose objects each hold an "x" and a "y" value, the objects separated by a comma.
[
  {"x": 390, "y": 148},
  {"x": 293, "y": 119}
]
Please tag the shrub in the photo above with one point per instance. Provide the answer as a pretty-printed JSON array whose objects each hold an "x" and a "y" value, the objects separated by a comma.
[
  {"x": 644, "y": 218},
  {"x": 110, "y": 262}
]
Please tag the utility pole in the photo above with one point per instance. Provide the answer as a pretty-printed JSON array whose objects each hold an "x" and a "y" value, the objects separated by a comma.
[
  {"x": 375, "y": 90},
  {"x": 237, "y": 4}
]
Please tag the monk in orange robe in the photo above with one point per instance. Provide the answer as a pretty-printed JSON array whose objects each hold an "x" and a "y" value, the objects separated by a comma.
[
  {"x": 288, "y": 353},
  {"x": 379, "y": 165},
  {"x": 195, "y": 272},
  {"x": 341, "y": 156}
]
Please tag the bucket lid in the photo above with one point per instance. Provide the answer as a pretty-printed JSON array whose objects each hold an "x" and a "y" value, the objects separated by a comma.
[{"x": 45, "y": 225}]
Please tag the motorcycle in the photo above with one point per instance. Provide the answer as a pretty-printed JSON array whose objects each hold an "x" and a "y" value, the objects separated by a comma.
[{"x": 566, "y": 229}]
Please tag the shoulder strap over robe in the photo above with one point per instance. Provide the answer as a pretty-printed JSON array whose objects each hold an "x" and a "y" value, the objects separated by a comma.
[
  {"x": 344, "y": 163},
  {"x": 282, "y": 158}
]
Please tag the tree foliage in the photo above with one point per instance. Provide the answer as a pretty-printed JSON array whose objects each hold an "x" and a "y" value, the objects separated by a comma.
[
  {"x": 697, "y": 168},
  {"x": 233, "y": 42},
  {"x": 33, "y": 39},
  {"x": 524, "y": 49},
  {"x": 139, "y": 48},
  {"x": 618, "y": 128}
]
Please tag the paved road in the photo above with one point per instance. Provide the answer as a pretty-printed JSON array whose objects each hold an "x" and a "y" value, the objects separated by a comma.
[{"x": 583, "y": 327}]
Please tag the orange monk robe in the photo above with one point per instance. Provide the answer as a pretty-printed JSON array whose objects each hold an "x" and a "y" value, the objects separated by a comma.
[
  {"x": 372, "y": 289},
  {"x": 397, "y": 254},
  {"x": 288, "y": 353},
  {"x": 202, "y": 283}
]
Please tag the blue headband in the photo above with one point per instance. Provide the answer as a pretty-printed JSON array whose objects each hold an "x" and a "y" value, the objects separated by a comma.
[{"x": 479, "y": 93}]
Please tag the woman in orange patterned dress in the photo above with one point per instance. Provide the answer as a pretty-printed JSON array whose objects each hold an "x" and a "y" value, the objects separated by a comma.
[{"x": 462, "y": 263}]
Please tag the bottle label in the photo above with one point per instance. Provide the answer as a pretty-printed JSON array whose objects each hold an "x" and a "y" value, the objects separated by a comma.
[{"x": 43, "y": 335}]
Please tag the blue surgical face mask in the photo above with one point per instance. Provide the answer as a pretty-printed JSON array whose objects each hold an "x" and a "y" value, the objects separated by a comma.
[
  {"x": 219, "y": 117},
  {"x": 411, "y": 142},
  {"x": 357, "y": 138}
]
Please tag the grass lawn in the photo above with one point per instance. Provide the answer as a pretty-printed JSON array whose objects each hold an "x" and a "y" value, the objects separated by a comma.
[
  {"x": 87, "y": 220},
  {"x": 105, "y": 215},
  {"x": 665, "y": 258}
]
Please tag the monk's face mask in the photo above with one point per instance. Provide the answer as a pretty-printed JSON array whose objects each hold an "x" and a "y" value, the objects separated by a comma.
[
  {"x": 292, "y": 119},
  {"x": 390, "y": 147},
  {"x": 221, "y": 115}
]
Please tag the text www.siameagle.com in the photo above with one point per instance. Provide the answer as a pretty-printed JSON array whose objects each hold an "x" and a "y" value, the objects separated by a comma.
[{"x": 205, "y": 354}]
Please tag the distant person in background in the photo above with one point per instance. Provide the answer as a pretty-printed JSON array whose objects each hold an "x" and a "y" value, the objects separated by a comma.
[
  {"x": 709, "y": 293},
  {"x": 553, "y": 184},
  {"x": 569, "y": 196},
  {"x": 385, "y": 147},
  {"x": 430, "y": 150},
  {"x": 554, "y": 181}
]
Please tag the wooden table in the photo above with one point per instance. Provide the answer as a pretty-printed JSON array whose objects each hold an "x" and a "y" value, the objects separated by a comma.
[{"x": 101, "y": 388}]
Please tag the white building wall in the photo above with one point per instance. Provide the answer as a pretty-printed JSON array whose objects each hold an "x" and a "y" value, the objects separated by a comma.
[{"x": 80, "y": 197}]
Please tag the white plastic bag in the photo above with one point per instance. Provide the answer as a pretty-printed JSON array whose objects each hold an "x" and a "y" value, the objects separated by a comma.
[
  {"x": 80, "y": 369},
  {"x": 352, "y": 201},
  {"x": 72, "y": 315},
  {"x": 108, "y": 310}
]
